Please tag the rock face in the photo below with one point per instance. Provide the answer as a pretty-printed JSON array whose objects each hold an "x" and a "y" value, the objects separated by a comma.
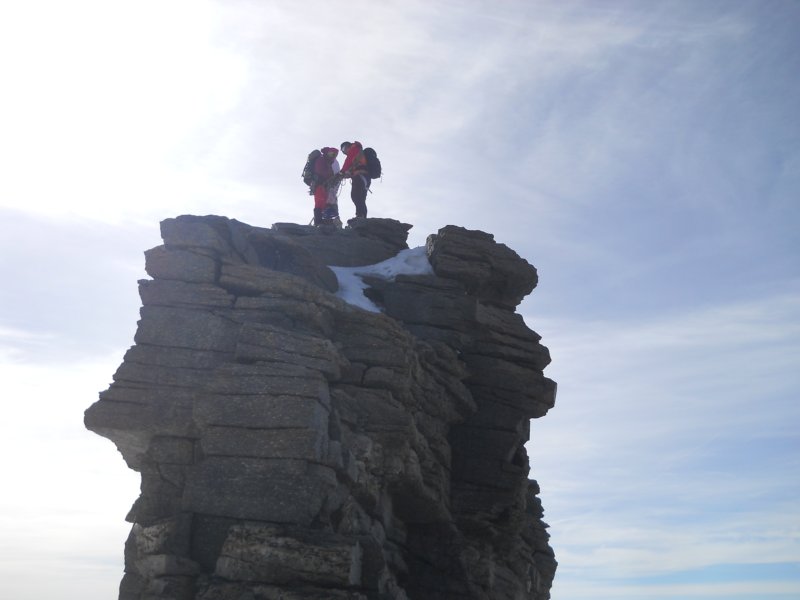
[{"x": 293, "y": 446}]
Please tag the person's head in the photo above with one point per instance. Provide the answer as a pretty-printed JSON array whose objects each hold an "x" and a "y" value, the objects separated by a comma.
[
  {"x": 331, "y": 153},
  {"x": 345, "y": 146}
]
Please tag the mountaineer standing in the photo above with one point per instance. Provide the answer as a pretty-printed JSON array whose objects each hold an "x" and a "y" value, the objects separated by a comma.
[
  {"x": 355, "y": 167},
  {"x": 324, "y": 178}
]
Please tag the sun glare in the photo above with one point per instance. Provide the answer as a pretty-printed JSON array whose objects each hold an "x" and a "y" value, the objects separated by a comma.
[{"x": 100, "y": 97}]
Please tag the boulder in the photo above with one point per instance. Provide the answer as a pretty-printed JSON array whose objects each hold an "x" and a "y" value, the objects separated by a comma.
[{"x": 292, "y": 446}]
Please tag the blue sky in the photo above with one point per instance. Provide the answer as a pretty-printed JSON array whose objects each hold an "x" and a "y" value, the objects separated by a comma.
[{"x": 644, "y": 156}]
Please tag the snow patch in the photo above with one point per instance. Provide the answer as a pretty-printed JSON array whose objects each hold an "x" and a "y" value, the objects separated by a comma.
[{"x": 413, "y": 261}]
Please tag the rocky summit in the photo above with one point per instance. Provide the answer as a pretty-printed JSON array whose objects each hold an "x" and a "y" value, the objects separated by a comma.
[{"x": 295, "y": 446}]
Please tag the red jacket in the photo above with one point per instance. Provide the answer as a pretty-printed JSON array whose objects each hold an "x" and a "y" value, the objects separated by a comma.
[{"x": 356, "y": 162}]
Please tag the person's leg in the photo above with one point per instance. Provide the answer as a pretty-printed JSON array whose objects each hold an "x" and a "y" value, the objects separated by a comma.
[
  {"x": 359, "y": 196},
  {"x": 320, "y": 199}
]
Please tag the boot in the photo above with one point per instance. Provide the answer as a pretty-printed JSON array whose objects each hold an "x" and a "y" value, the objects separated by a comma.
[{"x": 317, "y": 217}]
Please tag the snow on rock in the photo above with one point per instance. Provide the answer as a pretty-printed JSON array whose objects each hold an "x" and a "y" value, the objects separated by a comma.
[{"x": 413, "y": 261}]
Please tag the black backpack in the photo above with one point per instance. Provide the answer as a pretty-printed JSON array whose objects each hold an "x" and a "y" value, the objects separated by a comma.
[
  {"x": 373, "y": 163},
  {"x": 308, "y": 170}
]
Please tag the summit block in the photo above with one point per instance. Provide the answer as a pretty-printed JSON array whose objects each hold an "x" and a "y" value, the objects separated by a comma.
[{"x": 294, "y": 446}]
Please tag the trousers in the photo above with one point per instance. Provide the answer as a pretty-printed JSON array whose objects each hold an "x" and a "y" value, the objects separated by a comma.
[{"x": 358, "y": 193}]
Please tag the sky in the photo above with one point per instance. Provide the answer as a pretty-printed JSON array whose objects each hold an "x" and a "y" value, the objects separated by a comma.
[{"x": 644, "y": 156}]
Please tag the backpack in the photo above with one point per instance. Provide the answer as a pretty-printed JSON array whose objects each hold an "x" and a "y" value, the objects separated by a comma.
[
  {"x": 373, "y": 163},
  {"x": 308, "y": 171}
]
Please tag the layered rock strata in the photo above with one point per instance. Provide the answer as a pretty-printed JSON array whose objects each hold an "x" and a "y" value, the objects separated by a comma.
[{"x": 295, "y": 447}]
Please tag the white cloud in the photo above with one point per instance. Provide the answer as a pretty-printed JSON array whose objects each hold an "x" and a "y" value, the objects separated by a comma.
[
  {"x": 756, "y": 590},
  {"x": 100, "y": 98},
  {"x": 671, "y": 440},
  {"x": 12, "y": 340},
  {"x": 644, "y": 543},
  {"x": 66, "y": 490}
]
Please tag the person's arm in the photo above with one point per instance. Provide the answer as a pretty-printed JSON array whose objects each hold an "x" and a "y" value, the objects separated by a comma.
[{"x": 353, "y": 151}]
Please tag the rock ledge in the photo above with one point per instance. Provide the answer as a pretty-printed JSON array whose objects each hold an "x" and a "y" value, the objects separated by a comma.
[{"x": 295, "y": 447}]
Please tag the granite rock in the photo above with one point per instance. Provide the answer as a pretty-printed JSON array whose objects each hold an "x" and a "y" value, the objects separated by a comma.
[{"x": 295, "y": 447}]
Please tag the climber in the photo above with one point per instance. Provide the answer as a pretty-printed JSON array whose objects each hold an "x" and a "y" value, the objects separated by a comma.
[
  {"x": 325, "y": 178},
  {"x": 355, "y": 167},
  {"x": 330, "y": 214}
]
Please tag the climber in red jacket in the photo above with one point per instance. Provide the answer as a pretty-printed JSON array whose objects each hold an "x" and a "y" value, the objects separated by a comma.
[{"x": 355, "y": 167}]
